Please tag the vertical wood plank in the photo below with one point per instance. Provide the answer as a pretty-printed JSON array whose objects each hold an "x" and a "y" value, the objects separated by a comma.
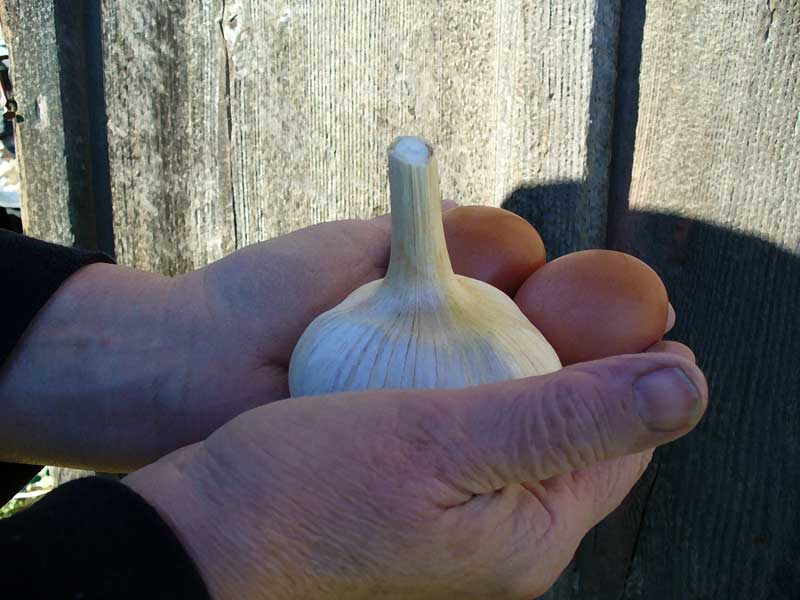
[
  {"x": 560, "y": 65},
  {"x": 713, "y": 205},
  {"x": 43, "y": 149},
  {"x": 55, "y": 58},
  {"x": 168, "y": 133},
  {"x": 235, "y": 121},
  {"x": 232, "y": 121}
]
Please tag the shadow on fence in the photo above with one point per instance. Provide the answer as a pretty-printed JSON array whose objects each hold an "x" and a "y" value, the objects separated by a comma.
[{"x": 726, "y": 495}]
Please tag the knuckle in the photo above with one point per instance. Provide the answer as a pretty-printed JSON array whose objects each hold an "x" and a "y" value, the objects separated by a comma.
[
  {"x": 419, "y": 429},
  {"x": 573, "y": 421}
]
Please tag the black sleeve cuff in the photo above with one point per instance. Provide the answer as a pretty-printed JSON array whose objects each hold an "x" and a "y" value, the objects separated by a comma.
[
  {"x": 94, "y": 538},
  {"x": 30, "y": 272}
]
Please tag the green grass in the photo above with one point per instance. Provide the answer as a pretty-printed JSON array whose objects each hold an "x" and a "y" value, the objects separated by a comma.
[{"x": 36, "y": 488}]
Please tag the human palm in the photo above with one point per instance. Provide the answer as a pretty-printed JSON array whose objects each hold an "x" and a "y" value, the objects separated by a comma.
[
  {"x": 252, "y": 306},
  {"x": 481, "y": 492}
]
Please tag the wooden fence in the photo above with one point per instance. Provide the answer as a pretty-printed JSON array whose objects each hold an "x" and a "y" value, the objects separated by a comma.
[{"x": 172, "y": 133}]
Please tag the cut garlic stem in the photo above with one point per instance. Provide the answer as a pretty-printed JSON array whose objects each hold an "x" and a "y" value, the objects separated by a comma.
[
  {"x": 419, "y": 251},
  {"x": 421, "y": 326}
]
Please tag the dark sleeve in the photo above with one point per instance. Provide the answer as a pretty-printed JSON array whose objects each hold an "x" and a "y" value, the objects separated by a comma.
[
  {"x": 91, "y": 538},
  {"x": 94, "y": 538},
  {"x": 30, "y": 272}
]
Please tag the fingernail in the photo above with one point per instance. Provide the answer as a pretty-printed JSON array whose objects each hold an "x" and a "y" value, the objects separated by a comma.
[
  {"x": 670, "y": 319},
  {"x": 667, "y": 400}
]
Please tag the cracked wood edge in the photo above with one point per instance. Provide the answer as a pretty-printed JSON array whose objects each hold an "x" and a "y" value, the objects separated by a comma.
[
  {"x": 169, "y": 143},
  {"x": 233, "y": 122}
]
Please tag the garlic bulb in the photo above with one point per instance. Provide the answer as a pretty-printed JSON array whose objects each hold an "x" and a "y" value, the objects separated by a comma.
[{"x": 421, "y": 326}]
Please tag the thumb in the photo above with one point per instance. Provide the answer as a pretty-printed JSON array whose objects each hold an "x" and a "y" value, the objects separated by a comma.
[{"x": 535, "y": 428}]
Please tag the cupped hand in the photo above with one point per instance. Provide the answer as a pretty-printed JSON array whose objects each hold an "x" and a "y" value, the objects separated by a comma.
[
  {"x": 249, "y": 309},
  {"x": 156, "y": 363},
  {"x": 483, "y": 492},
  {"x": 476, "y": 493},
  {"x": 255, "y": 303}
]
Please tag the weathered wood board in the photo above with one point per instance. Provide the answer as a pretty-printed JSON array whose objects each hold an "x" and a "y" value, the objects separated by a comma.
[
  {"x": 168, "y": 133},
  {"x": 29, "y": 30},
  {"x": 714, "y": 206},
  {"x": 61, "y": 143},
  {"x": 319, "y": 90},
  {"x": 233, "y": 121}
]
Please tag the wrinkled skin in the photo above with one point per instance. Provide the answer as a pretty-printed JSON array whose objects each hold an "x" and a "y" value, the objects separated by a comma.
[
  {"x": 477, "y": 493},
  {"x": 156, "y": 363},
  {"x": 259, "y": 300},
  {"x": 481, "y": 492}
]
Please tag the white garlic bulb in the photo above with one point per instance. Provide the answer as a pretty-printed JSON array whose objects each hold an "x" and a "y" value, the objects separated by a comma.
[{"x": 421, "y": 326}]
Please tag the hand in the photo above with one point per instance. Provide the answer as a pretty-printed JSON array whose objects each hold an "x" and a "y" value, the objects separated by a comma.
[
  {"x": 155, "y": 363},
  {"x": 251, "y": 307},
  {"x": 123, "y": 366},
  {"x": 476, "y": 493}
]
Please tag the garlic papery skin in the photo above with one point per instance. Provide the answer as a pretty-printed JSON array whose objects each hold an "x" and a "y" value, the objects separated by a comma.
[{"x": 421, "y": 326}]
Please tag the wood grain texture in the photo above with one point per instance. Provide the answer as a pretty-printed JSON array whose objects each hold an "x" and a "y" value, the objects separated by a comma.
[
  {"x": 553, "y": 163},
  {"x": 55, "y": 57},
  {"x": 235, "y": 121},
  {"x": 167, "y": 133},
  {"x": 713, "y": 206},
  {"x": 29, "y": 30},
  {"x": 502, "y": 90}
]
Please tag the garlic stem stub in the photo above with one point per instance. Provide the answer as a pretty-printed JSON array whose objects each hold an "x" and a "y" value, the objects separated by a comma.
[{"x": 421, "y": 326}]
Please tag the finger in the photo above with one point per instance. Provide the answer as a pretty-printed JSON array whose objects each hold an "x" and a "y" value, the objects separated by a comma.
[
  {"x": 279, "y": 286},
  {"x": 493, "y": 245},
  {"x": 536, "y": 428},
  {"x": 670, "y": 319},
  {"x": 673, "y": 348}
]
